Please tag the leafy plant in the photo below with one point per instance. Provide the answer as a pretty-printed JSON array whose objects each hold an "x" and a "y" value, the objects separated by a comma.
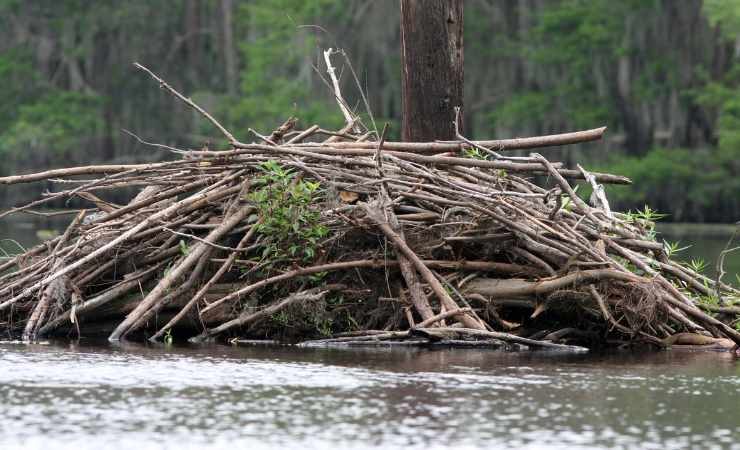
[
  {"x": 168, "y": 337},
  {"x": 473, "y": 153},
  {"x": 566, "y": 201},
  {"x": 646, "y": 215},
  {"x": 697, "y": 265},
  {"x": 671, "y": 248},
  {"x": 282, "y": 318},
  {"x": 317, "y": 278},
  {"x": 184, "y": 248},
  {"x": 323, "y": 325},
  {"x": 290, "y": 221}
]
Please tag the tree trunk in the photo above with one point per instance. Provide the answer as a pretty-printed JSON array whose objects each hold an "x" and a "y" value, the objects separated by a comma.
[
  {"x": 227, "y": 23},
  {"x": 432, "y": 67}
]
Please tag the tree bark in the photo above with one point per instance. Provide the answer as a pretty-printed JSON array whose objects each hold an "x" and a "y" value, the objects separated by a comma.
[{"x": 432, "y": 67}]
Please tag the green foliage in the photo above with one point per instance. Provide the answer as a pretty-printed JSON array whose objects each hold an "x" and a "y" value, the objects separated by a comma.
[
  {"x": 566, "y": 202},
  {"x": 474, "y": 153},
  {"x": 19, "y": 77},
  {"x": 576, "y": 36},
  {"x": 168, "y": 338},
  {"x": 323, "y": 325},
  {"x": 686, "y": 182},
  {"x": 278, "y": 79},
  {"x": 574, "y": 52},
  {"x": 526, "y": 106},
  {"x": 281, "y": 318},
  {"x": 290, "y": 217},
  {"x": 725, "y": 13},
  {"x": 184, "y": 248},
  {"x": 57, "y": 121},
  {"x": 698, "y": 265},
  {"x": 672, "y": 248},
  {"x": 708, "y": 300},
  {"x": 646, "y": 216},
  {"x": 317, "y": 278}
]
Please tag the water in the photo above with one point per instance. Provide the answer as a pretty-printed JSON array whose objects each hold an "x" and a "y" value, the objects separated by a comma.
[
  {"x": 90, "y": 397},
  {"x": 705, "y": 243}
]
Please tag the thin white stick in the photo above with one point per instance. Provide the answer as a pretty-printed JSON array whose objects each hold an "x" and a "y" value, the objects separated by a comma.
[
  {"x": 351, "y": 120},
  {"x": 599, "y": 196}
]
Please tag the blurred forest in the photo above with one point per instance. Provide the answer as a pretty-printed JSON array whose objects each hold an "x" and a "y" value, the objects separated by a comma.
[{"x": 663, "y": 75}]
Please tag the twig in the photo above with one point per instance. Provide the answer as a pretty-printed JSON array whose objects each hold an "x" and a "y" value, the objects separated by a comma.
[
  {"x": 721, "y": 263},
  {"x": 189, "y": 102},
  {"x": 348, "y": 116}
]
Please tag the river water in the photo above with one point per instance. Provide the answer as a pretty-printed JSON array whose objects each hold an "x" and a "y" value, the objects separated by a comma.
[
  {"x": 69, "y": 396},
  {"x": 73, "y": 396}
]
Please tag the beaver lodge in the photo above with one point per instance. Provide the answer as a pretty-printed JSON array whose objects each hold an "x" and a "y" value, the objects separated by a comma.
[{"x": 351, "y": 239}]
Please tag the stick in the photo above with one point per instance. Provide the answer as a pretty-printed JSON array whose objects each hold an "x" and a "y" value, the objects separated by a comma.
[
  {"x": 509, "y": 338},
  {"x": 423, "y": 270},
  {"x": 204, "y": 289},
  {"x": 86, "y": 170},
  {"x": 553, "y": 140},
  {"x": 246, "y": 318},
  {"x": 441, "y": 316},
  {"x": 348, "y": 116},
  {"x": 163, "y": 84},
  {"x": 195, "y": 254}
]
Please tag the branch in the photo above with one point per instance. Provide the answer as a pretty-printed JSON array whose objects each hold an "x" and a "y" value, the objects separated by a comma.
[
  {"x": 348, "y": 116},
  {"x": 163, "y": 84}
]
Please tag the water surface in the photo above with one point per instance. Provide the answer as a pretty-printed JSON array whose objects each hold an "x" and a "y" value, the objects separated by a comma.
[{"x": 91, "y": 397}]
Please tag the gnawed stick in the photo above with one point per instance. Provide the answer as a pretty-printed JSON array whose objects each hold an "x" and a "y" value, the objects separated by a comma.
[
  {"x": 500, "y": 144},
  {"x": 364, "y": 263},
  {"x": 423, "y": 270},
  {"x": 247, "y": 318},
  {"x": 130, "y": 282},
  {"x": 85, "y": 170},
  {"x": 204, "y": 289},
  {"x": 348, "y": 116},
  {"x": 525, "y": 288},
  {"x": 195, "y": 253},
  {"x": 52, "y": 291},
  {"x": 441, "y": 316},
  {"x": 449, "y": 332}
]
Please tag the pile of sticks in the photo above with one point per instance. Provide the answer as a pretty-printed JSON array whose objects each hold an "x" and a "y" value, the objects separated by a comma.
[{"x": 410, "y": 242}]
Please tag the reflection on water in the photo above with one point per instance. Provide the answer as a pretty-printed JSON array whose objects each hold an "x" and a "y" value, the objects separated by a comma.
[{"x": 64, "y": 396}]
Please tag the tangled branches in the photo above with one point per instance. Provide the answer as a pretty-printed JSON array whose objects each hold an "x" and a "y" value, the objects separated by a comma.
[{"x": 353, "y": 239}]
